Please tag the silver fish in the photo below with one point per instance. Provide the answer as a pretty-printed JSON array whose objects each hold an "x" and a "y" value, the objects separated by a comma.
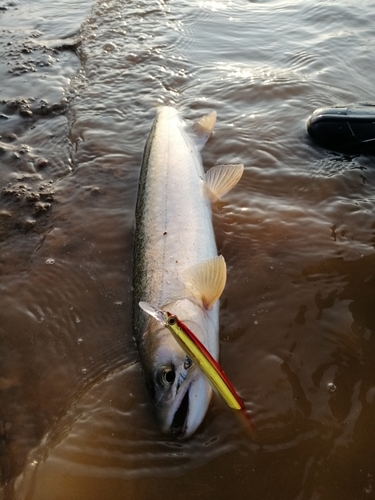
[{"x": 176, "y": 266}]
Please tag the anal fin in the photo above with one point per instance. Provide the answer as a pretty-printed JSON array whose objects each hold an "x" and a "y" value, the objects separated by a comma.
[
  {"x": 203, "y": 128},
  {"x": 206, "y": 281}
]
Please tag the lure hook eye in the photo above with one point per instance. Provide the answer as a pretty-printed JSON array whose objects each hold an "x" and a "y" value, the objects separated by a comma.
[
  {"x": 172, "y": 320},
  {"x": 187, "y": 362}
]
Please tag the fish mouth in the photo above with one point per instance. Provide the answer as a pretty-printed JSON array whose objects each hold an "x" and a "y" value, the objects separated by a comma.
[{"x": 179, "y": 423}]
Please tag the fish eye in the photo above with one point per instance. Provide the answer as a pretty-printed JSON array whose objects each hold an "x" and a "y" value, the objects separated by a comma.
[
  {"x": 167, "y": 376},
  {"x": 171, "y": 321}
]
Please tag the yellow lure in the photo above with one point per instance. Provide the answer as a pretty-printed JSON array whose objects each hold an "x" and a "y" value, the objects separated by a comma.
[
  {"x": 208, "y": 365},
  {"x": 199, "y": 354}
]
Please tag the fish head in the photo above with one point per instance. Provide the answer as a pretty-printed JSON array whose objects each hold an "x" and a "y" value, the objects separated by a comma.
[{"x": 180, "y": 391}]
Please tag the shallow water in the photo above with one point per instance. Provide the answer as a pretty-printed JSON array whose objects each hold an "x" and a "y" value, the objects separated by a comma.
[{"x": 77, "y": 99}]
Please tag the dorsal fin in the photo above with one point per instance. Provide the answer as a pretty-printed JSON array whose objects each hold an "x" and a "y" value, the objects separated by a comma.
[
  {"x": 203, "y": 128},
  {"x": 206, "y": 281},
  {"x": 221, "y": 179}
]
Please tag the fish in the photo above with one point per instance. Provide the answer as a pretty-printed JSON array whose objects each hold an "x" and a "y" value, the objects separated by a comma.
[{"x": 176, "y": 264}]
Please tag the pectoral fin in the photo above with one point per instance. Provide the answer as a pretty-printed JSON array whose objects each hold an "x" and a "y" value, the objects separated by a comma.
[
  {"x": 203, "y": 128},
  {"x": 206, "y": 281},
  {"x": 221, "y": 179}
]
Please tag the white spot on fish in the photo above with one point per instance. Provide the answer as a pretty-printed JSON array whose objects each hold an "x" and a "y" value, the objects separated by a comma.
[{"x": 109, "y": 47}]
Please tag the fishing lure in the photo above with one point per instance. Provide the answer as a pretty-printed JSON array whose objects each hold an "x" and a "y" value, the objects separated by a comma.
[{"x": 199, "y": 354}]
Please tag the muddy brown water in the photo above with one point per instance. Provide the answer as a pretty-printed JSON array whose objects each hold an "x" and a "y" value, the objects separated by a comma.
[{"x": 79, "y": 84}]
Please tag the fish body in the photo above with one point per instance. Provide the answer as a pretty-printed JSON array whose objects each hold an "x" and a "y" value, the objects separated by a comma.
[{"x": 176, "y": 266}]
